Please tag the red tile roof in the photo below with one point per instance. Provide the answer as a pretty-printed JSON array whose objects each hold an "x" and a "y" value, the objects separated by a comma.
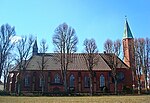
[
  {"x": 77, "y": 62},
  {"x": 110, "y": 58}
]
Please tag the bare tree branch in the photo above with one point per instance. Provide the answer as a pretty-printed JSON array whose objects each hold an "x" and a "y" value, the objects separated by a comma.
[
  {"x": 65, "y": 41},
  {"x": 23, "y": 47},
  {"x": 113, "y": 50},
  {"x": 43, "y": 62},
  {"x": 6, "y": 33},
  {"x": 91, "y": 58}
]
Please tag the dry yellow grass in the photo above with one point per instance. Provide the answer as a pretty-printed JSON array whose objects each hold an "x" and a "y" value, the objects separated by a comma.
[{"x": 94, "y": 99}]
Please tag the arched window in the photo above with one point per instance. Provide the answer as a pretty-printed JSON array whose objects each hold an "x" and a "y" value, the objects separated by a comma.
[
  {"x": 26, "y": 81},
  {"x": 41, "y": 81},
  {"x": 72, "y": 78},
  {"x": 86, "y": 81},
  {"x": 57, "y": 78},
  {"x": 102, "y": 81}
]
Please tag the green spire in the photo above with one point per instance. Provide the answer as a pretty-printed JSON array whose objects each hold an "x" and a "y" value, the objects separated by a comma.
[
  {"x": 127, "y": 31},
  {"x": 35, "y": 48}
]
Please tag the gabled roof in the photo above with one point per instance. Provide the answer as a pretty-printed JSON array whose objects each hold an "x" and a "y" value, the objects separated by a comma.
[
  {"x": 108, "y": 59},
  {"x": 77, "y": 62},
  {"x": 127, "y": 31}
]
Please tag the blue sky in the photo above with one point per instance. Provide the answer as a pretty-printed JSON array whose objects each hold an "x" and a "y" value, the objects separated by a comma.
[{"x": 98, "y": 19}]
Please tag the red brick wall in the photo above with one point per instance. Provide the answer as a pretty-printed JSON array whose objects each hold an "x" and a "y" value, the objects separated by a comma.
[
  {"x": 128, "y": 49},
  {"x": 50, "y": 86}
]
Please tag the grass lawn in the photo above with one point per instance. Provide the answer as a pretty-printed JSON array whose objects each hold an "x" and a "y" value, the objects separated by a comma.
[{"x": 87, "y": 99}]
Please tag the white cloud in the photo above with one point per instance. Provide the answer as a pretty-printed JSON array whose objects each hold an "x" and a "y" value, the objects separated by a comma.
[{"x": 15, "y": 39}]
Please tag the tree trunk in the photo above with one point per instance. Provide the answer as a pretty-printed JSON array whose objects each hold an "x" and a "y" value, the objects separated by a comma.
[
  {"x": 133, "y": 80},
  {"x": 0, "y": 73},
  {"x": 139, "y": 86},
  {"x": 116, "y": 89},
  {"x": 1, "y": 68},
  {"x": 91, "y": 85},
  {"x": 65, "y": 82},
  {"x": 18, "y": 89},
  {"x": 146, "y": 83},
  {"x": 19, "y": 83},
  {"x": 4, "y": 83},
  {"x": 42, "y": 85},
  {"x": 42, "y": 76},
  {"x": 4, "y": 80}
]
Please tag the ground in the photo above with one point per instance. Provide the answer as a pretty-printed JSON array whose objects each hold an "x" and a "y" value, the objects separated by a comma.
[{"x": 87, "y": 99}]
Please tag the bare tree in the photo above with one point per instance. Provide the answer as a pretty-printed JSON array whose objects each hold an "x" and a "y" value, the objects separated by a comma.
[
  {"x": 108, "y": 46},
  {"x": 43, "y": 62},
  {"x": 65, "y": 41},
  {"x": 147, "y": 62},
  {"x": 6, "y": 33},
  {"x": 23, "y": 47},
  {"x": 138, "y": 61},
  {"x": 113, "y": 51},
  {"x": 91, "y": 57},
  {"x": 43, "y": 46},
  {"x": 116, "y": 53},
  {"x": 142, "y": 50},
  {"x": 7, "y": 65}
]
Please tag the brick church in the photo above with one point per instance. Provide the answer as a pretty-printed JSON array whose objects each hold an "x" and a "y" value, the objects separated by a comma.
[{"x": 77, "y": 74}]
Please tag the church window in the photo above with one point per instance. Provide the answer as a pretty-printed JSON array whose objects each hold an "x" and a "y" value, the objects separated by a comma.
[
  {"x": 72, "y": 79},
  {"x": 41, "y": 81},
  {"x": 57, "y": 78},
  {"x": 86, "y": 81},
  {"x": 26, "y": 81},
  {"x": 102, "y": 81}
]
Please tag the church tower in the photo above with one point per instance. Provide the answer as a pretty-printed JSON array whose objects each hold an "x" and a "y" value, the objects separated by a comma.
[
  {"x": 35, "y": 48},
  {"x": 128, "y": 46}
]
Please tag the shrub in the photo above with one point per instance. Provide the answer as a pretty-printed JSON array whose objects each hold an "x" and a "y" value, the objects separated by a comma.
[
  {"x": 4, "y": 93},
  {"x": 127, "y": 90}
]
